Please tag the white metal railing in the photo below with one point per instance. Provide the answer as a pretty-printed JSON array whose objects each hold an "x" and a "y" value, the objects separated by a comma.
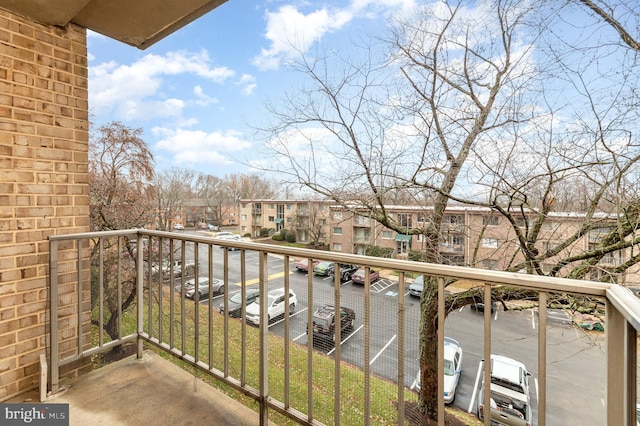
[{"x": 164, "y": 323}]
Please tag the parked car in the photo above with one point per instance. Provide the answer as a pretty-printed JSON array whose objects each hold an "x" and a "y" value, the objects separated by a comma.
[
  {"x": 303, "y": 265},
  {"x": 415, "y": 288},
  {"x": 234, "y": 302},
  {"x": 212, "y": 227},
  {"x": 275, "y": 306},
  {"x": 510, "y": 401},
  {"x": 346, "y": 271},
  {"x": 217, "y": 286},
  {"x": 452, "y": 369},
  {"x": 324, "y": 324},
  {"x": 178, "y": 227},
  {"x": 323, "y": 268},
  {"x": 479, "y": 306},
  {"x": 359, "y": 276},
  {"x": 175, "y": 266},
  {"x": 228, "y": 236}
]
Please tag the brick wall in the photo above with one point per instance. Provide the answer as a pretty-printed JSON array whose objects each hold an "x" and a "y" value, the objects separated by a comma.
[{"x": 43, "y": 179}]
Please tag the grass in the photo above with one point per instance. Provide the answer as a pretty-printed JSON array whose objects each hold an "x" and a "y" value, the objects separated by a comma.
[{"x": 383, "y": 393}]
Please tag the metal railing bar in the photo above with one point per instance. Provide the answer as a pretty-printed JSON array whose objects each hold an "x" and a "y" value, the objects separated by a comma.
[
  {"x": 119, "y": 286},
  {"x": 211, "y": 307},
  {"x": 172, "y": 292},
  {"x": 98, "y": 349},
  {"x": 542, "y": 358},
  {"x": 626, "y": 303},
  {"x": 287, "y": 333},
  {"x": 338, "y": 343},
  {"x": 367, "y": 348},
  {"x": 196, "y": 299},
  {"x": 264, "y": 334},
  {"x": 441, "y": 319},
  {"x": 79, "y": 296},
  {"x": 487, "y": 354},
  {"x": 183, "y": 314},
  {"x": 401, "y": 347},
  {"x": 54, "y": 355},
  {"x": 140, "y": 295},
  {"x": 310, "y": 340},
  {"x": 100, "y": 292}
]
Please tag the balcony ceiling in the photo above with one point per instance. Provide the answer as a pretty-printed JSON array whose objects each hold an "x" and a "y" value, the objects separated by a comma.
[{"x": 139, "y": 23}]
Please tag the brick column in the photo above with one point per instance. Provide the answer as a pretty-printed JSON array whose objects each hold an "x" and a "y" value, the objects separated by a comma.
[{"x": 43, "y": 179}]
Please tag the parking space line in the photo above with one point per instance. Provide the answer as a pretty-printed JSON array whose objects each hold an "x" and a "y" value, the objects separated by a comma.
[
  {"x": 533, "y": 320},
  {"x": 290, "y": 316},
  {"x": 257, "y": 280},
  {"x": 382, "y": 350},
  {"x": 347, "y": 338}
]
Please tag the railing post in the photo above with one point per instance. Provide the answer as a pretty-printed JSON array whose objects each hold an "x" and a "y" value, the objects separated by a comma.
[
  {"x": 54, "y": 357},
  {"x": 264, "y": 343},
  {"x": 615, "y": 355},
  {"x": 140, "y": 292},
  {"x": 542, "y": 358},
  {"x": 441, "y": 319}
]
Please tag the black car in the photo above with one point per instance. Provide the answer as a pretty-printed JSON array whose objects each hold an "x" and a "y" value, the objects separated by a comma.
[
  {"x": 324, "y": 324},
  {"x": 346, "y": 271},
  {"x": 234, "y": 302}
]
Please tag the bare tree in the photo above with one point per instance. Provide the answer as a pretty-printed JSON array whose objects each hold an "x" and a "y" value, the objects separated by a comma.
[
  {"x": 479, "y": 117},
  {"x": 172, "y": 189},
  {"x": 121, "y": 196}
]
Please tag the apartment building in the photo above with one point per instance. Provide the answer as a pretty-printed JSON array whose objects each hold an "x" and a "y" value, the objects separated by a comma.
[
  {"x": 308, "y": 218},
  {"x": 471, "y": 236}
]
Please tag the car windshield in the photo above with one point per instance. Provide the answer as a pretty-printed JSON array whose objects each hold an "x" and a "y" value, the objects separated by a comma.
[
  {"x": 270, "y": 300},
  {"x": 448, "y": 367},
  {"x": 236, "y": 298}
]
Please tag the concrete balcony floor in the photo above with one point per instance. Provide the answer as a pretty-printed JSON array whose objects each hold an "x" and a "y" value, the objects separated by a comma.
[{"x": 150, "y": 390}]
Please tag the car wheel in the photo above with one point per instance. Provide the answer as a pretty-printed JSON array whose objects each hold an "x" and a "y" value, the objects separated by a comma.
[
  {"x": 221, "y": 290},
  {"x": 292, "y": 308},
  {"x": 350, "y": 326}
]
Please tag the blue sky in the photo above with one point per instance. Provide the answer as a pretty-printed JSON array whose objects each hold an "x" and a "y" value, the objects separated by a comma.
[{"x": 199, "y": 93}]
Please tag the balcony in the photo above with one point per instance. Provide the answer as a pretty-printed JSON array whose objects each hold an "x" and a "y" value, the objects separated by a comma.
[{"x": 275, "y": 370}]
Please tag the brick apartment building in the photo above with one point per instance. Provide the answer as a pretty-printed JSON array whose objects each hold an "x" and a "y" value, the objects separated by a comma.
[{"x": 471, "y": 236}]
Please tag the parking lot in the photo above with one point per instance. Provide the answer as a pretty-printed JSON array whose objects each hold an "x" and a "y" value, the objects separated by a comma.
[{"x": 575, "y": 357}]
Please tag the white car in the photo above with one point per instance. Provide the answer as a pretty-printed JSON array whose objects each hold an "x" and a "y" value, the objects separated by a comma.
[
  {"x": 452, "y": 369},
  {"x": 275, "y": 306},
  {"x": 178, "y": 226},
  {"x": 228, "y": 236}
]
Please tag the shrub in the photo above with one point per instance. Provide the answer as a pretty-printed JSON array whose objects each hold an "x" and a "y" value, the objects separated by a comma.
[
  {"x": 379, "y": 251},
  {"x": 277, "y": 237},
  {"x": 265, "y": 232},
  {"x": 290, "y": 236}
]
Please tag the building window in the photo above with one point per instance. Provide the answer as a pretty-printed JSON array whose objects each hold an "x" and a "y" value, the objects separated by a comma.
[
  {"x": 337, "y": 215},
  {"x": 272, "y": 206},
  {"x": 423, "y": 218},
  {"x": 404, "y": 219},
  {"x": 289, "y": 206},
  {"x": 323, "y": 221},
  {"x": 337, "y": 230},
  {"x": 490, "y": 221},
  {"x": 244, "y": 205},
  {"x": 490, "y": 242},
  {"x": 272, "y": 219},
  {"x": 244, "y": 217},
  {"x": 387, "y": 234},
  {"x": 288, "y": 220},
  {"x": 337, "y": 246},
  {"x": 454, "y": 219}
]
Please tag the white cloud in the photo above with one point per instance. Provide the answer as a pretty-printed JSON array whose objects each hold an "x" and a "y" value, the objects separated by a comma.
[
  {"x": 248, "y": 84},
  {"x": 199, "y": 147},
  {"x": 290, "y": 32},
  {"x": 203, "y": 98},
  {"x": 126, "y": 89}
]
